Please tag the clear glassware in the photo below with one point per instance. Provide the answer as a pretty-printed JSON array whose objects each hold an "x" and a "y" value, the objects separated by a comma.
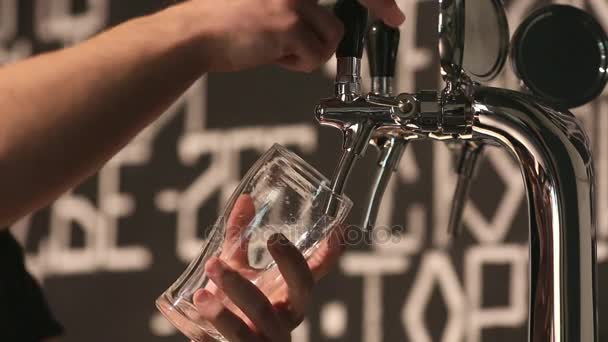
[{"x": 281, "y": 193}]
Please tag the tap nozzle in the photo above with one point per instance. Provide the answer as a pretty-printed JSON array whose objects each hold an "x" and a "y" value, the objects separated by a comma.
[
  {"x": 391, "y": 152},
  {"x": 467, "y": 166}
]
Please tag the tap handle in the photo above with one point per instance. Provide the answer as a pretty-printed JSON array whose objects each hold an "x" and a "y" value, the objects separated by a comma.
[
  {"x": 354, "y": 17},
  {"x": 382, "y": 47}
]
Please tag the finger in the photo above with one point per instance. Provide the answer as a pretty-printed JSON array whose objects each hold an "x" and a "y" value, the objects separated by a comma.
[
  {"x": 236, "y": 245},
  {"x": 295, "y": 272},
  {"x": 328, "y": 28},
  {"x": 305, "y": 50},
  {"x": 387, "y": 10},
  {"x": 247, "y": 297},
  {"x": 323, "y": 260},
  {"x": 225, "y": 321}
]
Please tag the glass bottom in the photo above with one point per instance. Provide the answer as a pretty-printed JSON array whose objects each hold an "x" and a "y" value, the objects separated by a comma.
[{"x": 183, "y": 316}]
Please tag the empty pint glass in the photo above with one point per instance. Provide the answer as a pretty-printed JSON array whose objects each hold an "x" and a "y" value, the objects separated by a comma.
[{"x": 281, "y": 193}]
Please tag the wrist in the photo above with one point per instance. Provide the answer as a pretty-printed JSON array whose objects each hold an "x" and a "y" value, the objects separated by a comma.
[{"x": 178, "y": 33}]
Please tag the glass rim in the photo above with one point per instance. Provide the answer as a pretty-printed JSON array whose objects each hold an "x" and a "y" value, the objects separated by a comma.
[{"x": 323, "y": 182}]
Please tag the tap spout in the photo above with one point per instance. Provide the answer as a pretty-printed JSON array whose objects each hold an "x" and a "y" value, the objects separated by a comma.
[
  {"x": 356, "y": 140},
  {"x": 467, "y": 165},
  {"x": 390, "y": 155},
  {"x": 556, "y": 164}
]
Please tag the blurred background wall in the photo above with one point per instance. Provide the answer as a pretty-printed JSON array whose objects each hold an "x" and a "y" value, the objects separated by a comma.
[{"x": 107, "y": 249}]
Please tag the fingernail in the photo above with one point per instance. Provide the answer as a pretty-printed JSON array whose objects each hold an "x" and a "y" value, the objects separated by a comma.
[
  {"x": 283, "y": 239},
  {"x": 278, "y": 240},
  {"x": 215, "y": 268},
  {"x": 274, "y": 239},
  {"x": 202, "y": 297},
  {"x": 207, "y": 305}
]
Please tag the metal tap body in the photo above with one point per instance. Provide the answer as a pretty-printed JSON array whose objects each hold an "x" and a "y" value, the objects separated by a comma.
[{"x": 554, "y": 154}]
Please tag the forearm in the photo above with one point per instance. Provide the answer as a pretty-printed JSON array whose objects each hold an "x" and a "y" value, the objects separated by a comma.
[{"x": 63, "y": 114}]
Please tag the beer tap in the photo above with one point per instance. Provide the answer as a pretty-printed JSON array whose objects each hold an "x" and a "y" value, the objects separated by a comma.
[
  {"x": 546, "y": 139},
  {"x": 356, "y": 130},
  {"x": 360, "y": 117},
  {"x": 382, "y": 48}
]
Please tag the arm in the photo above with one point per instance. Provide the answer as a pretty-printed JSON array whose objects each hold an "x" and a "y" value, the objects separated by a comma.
[{"x": 63, "y": 114}]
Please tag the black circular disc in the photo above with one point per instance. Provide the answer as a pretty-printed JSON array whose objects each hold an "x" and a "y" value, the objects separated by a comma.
[{"x": 561, "y": 54}]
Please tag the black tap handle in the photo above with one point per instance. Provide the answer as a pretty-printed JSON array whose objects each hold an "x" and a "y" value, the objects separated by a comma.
[
  {"x": 354, "y": 17},
  {"x": 382, "y": 47}
]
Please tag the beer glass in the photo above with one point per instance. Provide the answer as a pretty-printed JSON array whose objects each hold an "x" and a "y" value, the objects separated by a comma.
[{"x": 281, "y": 193}]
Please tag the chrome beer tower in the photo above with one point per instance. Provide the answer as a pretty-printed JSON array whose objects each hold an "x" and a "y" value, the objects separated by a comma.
[{"x": 548, "y": 142}]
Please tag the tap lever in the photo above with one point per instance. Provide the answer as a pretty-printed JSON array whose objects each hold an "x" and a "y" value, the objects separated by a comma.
[
  {"x": 354, "y": 17},
  {"x": 466, "y": 171},
  {"x": 350, "y": 50},
  {"x": 382, "y": 100},
  {"x": 382, "y": 47}
]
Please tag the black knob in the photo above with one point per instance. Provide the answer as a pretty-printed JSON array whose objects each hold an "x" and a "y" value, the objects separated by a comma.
[
  {"x": 382, "y": 47},
  {"x": 354, "y": 17}
]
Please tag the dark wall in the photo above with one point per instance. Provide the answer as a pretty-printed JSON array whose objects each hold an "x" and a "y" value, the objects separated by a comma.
[{"x": 107, "y": 249}]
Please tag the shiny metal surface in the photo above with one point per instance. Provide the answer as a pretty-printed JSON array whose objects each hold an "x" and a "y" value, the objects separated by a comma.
[
  {"x": 476, "y": 48},
  {"x": 348, "y": 78},
  {"x": 486, "y": 39},
  {"x": 557, "y": 167},
  {"x": 382, "y": 85},
  {"x": 551, "y": 147},
  {"x": 456, "y": 115},
  {"x": 356, "y": 141},
  {"x": 407, "y": 116},
  {"x": 423, "y": 112},
  {"x": 391, "y": 151},
  {"x": 469, "y": 155},
  {"x": 556, "y": 163},
  {"x": 451, "y": 38}
]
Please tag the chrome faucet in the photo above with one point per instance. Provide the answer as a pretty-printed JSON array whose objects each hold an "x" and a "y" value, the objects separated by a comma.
[{"x": 546, "y": 139}]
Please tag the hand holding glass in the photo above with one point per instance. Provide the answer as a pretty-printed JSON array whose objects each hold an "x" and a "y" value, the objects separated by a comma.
[{"x": 281, "y": 194}]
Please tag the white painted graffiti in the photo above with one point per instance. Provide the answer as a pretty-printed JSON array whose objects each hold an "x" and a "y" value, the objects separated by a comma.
[{"x": 419, "y": 252}]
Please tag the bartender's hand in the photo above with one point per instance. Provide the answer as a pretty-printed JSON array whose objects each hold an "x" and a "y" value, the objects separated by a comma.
[
  {"x": 267, "y": 319},
  {"x": 299, "y": 35}
]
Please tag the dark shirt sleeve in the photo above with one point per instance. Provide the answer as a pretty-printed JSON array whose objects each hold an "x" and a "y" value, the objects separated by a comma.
[{"x": 24, "y": 313}]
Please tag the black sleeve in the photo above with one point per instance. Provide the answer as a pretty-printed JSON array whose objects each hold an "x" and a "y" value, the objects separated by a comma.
[{"x": 24, "y": 313}]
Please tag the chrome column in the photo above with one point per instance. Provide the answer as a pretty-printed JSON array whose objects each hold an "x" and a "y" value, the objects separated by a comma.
[{"x": 556, "y": 164}]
